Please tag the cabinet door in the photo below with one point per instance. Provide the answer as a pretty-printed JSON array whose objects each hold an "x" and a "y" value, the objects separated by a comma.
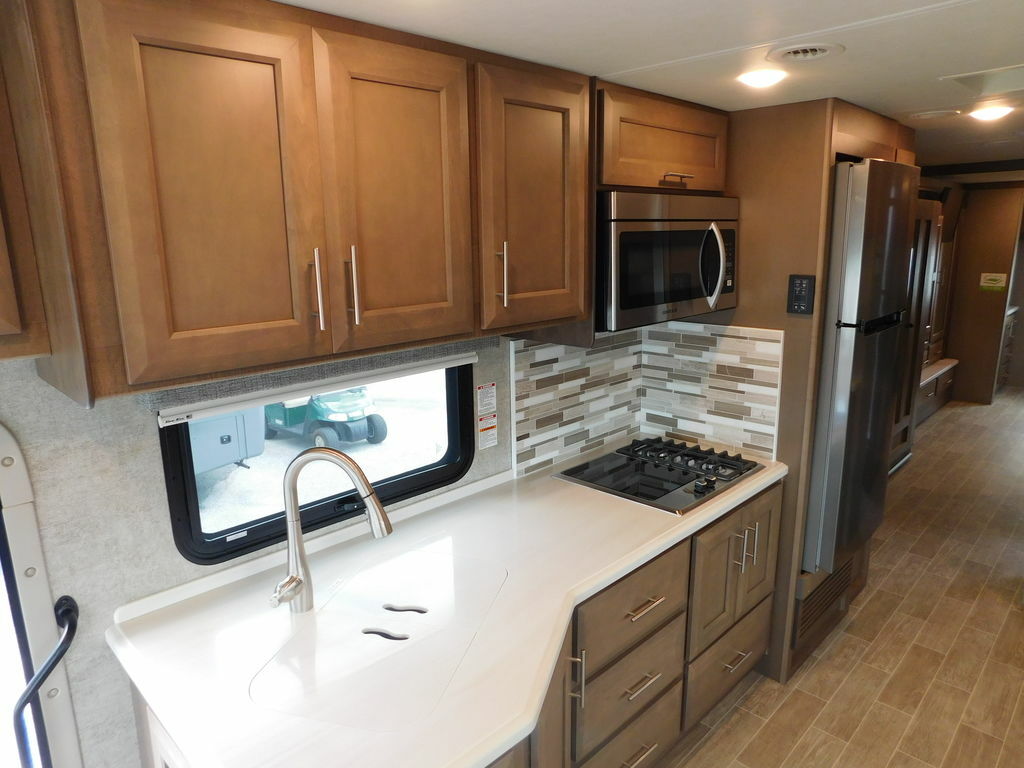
[
  {"x": 716, "y": 569},
  {"x": 205, "y": 128},
  {"x": 656, "y": 142},
  {"x": 532, "y": 193},
  {"x": 10, "y": 317},
  {"x": 760, "y": 518},
  {"x": 23, "y": 329},
  {"x": 394, "y": 131}
]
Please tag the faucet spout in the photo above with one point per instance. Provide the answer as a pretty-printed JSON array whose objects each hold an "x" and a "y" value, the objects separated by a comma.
[{"x": 297, "y": 587}]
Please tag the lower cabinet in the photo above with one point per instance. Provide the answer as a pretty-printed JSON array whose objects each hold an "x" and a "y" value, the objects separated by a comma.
[{"x": 652, "y": 653}]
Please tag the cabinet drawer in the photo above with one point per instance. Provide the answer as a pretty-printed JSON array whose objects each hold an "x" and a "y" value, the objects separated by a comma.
[
  {"x": 647, "y": 739},
  {"x": 626, "y": 687},
  {"x": 517, "y": 757},
  {"x": 927, "y": 400},
  {"x": 629, "y": 610},
  {"x": 726, "y": 662}
]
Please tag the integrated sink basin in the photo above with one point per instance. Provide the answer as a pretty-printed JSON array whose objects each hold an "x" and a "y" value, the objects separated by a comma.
[{"x": 383, "y": 648}]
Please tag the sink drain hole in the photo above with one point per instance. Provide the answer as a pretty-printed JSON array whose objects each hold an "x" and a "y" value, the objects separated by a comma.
[
  {"x": 385, "y": 634},
  {"x": 404, "y": 608}
]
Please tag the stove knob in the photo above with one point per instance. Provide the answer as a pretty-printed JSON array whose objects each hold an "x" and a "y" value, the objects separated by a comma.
[
  {"x": 710, "y": 481},
  {"x": 700, "y": 486}
]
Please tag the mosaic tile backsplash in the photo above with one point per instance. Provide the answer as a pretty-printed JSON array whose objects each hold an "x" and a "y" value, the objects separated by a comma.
[{"x": 717, "y": 385}]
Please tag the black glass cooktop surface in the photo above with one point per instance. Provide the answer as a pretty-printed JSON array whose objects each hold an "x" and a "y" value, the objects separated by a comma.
[{"x": 662, "y": 473}]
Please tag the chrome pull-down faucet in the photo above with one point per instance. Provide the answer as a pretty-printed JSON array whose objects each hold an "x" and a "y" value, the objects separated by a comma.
[{"x": 296, "y": 588}]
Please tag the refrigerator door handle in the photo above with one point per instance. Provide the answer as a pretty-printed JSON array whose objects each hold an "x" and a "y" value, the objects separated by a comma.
[{"x": 713, "y": 298}]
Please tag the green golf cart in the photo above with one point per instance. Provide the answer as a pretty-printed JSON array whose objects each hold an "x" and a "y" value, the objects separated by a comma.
[{"x": 328, "y": 420}]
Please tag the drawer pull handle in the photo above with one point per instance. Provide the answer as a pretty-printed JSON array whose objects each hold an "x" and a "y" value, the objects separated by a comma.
[
  {"x": 638, "y": 613},
  {"x": 741, "y": 656},
  {"x": 582, "y": 693},
  {"x": 639, "y": 757},
  {"x": 742, "y": 562},
  {"x": 648, "y": 681},
  {"x": 677, "y": 174}
]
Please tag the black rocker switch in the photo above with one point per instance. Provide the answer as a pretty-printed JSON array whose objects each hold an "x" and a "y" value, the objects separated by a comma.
[{"x": 800, "y": 300}]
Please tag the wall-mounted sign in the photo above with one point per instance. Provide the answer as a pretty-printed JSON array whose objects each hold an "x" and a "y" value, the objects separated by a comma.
[{"x": 993, "y": 281}]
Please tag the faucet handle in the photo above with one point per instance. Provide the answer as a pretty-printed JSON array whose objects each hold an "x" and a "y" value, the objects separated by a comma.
[{"x": 286, "y": 591}]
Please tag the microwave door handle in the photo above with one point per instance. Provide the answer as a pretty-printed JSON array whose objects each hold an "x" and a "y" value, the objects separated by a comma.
[
  {"x": 713, "y": 298},
  {"x": 700, "y": 261}
]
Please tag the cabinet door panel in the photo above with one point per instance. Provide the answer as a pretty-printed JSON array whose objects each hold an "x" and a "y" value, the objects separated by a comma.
[
  {"x": 761, "y": 519},
  {"x": 10, "y": 317},
  {"x": 716, "y": 553},
  {"x": 394, "y": 130},
  {"x": 206, "y": 139},
  {"x": 533, "y": 191},
  {"x": 647, "y": 141}
]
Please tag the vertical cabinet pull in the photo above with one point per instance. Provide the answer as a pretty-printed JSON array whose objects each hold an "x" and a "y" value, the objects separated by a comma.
[
  {"x": 742, "y": 562},
  {"x": 319, "y": 289},
  {"x": 503, "y": 255},
  {"x": 639, "y": 757},
  {"x": 757, "y": 540},
  {"x": 581, "y": 694},
  {"x": 356, "y": 309}
]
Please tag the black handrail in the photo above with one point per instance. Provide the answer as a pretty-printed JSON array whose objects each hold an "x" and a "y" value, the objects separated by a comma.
[{"x": 66, "y": 612}]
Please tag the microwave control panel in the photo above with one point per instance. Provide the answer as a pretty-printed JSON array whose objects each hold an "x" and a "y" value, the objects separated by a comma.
[{"x": 729, "y": 283}]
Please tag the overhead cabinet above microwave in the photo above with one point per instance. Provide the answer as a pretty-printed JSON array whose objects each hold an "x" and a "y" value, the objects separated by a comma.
[
  {"x": 276, "y": 192},
  {"x": 654, "y": 141}
]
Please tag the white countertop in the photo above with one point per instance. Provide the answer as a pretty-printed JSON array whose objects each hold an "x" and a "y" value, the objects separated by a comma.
[{"x": 520, "y": 556}]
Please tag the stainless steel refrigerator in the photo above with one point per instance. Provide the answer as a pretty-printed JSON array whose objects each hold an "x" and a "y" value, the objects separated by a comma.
[{"x": 867, "y": 299}]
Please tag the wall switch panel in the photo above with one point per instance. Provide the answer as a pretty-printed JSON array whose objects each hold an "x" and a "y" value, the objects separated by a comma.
[{"x": 800, "y": 300}]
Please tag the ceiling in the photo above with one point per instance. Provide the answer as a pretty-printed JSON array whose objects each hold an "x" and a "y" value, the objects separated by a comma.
[{"x": 900, "y": 57}]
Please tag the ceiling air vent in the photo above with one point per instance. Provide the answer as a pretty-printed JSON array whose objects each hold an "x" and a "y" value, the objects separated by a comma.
[{"x": 805, "y": 51}]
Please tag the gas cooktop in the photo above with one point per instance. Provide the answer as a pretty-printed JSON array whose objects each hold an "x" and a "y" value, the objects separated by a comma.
[{"x": 663, "y": 473}]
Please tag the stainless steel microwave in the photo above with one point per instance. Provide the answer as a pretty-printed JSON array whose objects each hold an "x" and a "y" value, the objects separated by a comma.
[{"x": 664, "y": 257}]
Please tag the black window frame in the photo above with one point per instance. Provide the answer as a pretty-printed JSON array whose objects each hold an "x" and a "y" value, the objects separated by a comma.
[{"x": 209, "y": 549}]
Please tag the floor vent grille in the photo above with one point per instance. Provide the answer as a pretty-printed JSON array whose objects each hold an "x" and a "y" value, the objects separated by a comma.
[{"x": 819, "y": 602}]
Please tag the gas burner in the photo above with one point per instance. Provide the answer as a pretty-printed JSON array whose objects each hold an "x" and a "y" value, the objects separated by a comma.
[{"x": 703, "y": 461}]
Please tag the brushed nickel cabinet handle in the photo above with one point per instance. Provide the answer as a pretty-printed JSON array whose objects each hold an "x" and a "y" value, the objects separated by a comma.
[
  {"x": 319, "y": 289},
  {"x": 581, "y": 694},
  {"x": 677, "y": 174},
  {"x": 503, "y": 255},
  {"x": 638, "y": 613},
  {"x": 740, "y": 657},
  {"x": 643, "y": 685},
  {"x": 357, "y": 310},
  {"x": 757, "y": 541},
  {"x": 742, "y": 562},
  {"x": 639, "y": 757}
]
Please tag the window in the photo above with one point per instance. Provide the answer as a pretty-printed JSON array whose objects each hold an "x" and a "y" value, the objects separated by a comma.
[{"x": 410, "y": 434}]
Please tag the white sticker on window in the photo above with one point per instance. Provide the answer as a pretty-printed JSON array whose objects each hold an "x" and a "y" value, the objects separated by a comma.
[
  {"x": 487, "y": 431},
  {"x": 486, "y": 398}
]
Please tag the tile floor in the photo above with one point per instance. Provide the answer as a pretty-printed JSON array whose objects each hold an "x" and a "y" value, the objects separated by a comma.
[{"x": 928, "y": 668}]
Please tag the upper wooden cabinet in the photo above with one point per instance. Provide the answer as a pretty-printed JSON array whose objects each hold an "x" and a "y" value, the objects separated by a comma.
[
  {"x": 10, "y": 315},
  {"x": 22, "y": 320},
  {"x": 532, "y": 195},
  {"x": 651, "y": 141},
  {"x": 862, "y": 133},
  {"x": 207, "y": 149},
  {"x": 394, "y": 131}
]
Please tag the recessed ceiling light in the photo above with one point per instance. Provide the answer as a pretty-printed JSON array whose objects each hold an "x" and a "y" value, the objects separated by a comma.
[
  {"x": 762, "y": 78},
  {"x": 991, "y": 113}
]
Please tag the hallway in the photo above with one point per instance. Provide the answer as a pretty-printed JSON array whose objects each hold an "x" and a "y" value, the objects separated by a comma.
[{"x": 928, "y": 668}]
